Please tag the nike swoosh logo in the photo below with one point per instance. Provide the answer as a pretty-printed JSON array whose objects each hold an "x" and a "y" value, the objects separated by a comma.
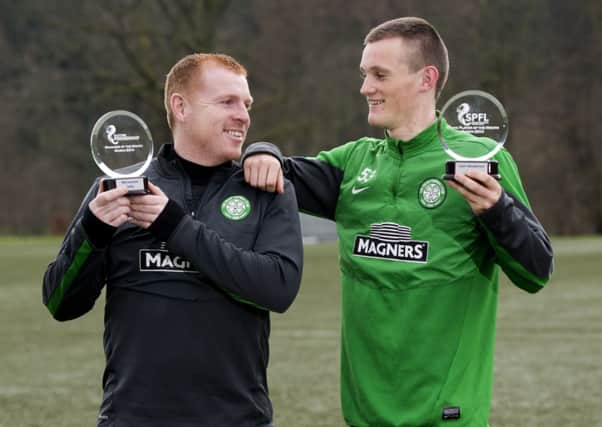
[{"x": 358, "y": 190}]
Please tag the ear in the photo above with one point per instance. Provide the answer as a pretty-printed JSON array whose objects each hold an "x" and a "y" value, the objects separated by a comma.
[
  {"x": 430, "y": 76},
  {"x": 178, "y": 106}
]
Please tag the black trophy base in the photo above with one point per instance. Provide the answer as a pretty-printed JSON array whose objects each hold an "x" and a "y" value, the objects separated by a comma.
[
  {"x": 460, "y": 167},
  {"x": 136, "y": 185}
]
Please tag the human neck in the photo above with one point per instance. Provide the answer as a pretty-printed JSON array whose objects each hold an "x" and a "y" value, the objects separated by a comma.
[
  {"x": 421, "y": 119},
  {"x": 194, "y": 153}
]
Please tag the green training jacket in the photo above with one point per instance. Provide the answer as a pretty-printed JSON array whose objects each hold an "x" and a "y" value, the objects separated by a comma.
[{"x": 419, "y": 274}]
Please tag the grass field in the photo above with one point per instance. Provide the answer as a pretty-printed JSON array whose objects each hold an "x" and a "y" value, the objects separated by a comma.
[{"x": 548, "y": 356}]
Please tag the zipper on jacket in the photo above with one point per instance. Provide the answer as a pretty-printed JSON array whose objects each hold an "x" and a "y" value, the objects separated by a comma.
[
  {"x": 187, "y": 187},
  {"x": 189, "y": 203},
  {"x": 396, "y": 181}
]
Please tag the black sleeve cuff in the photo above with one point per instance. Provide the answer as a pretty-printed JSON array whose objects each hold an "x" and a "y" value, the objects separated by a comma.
[
  {"x": 492, "y": 218},
  {"x": 167, "y": 221},
  {"x": 99, "y": 233},
  {"x": 262, "y": 148}
]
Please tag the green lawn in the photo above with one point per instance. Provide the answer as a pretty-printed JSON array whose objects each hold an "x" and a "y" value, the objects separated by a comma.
[{"x": 548, "y": 359}]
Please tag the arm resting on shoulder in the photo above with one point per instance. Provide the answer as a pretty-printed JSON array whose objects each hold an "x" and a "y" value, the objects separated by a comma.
[{"x": 316, "y": 180}]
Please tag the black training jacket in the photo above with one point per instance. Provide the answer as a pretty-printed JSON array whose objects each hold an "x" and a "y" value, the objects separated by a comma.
[{"x": 186, "y": 317}]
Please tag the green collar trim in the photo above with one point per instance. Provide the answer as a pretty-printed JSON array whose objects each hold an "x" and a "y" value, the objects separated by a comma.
[{"x": 425, "y": 138}]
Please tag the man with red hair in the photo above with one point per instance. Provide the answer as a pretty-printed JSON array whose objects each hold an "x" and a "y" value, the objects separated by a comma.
[{"x": 191, "y": 270}]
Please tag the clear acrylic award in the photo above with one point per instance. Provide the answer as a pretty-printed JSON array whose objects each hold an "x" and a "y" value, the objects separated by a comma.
[
  {"x": 481, "y": 114},
  {"x": 122, "y": 147}
]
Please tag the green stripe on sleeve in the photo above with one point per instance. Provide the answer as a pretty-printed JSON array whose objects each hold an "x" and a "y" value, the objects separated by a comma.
[
  {"x": 244, "y": 301},
  {"x": 81, "y": 255},
  {"x": 515, "y": 271}
]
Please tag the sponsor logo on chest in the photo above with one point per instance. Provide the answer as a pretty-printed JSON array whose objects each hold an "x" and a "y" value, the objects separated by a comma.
[
  {"x": 163, "y": 260},
  {"x": 392, "y": 242}
]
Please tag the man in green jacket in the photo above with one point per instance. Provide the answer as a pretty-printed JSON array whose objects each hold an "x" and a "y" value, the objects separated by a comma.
[{"x": 419, "y": 262}]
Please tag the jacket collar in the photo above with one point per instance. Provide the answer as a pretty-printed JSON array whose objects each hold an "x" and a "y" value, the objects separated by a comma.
[
  {"x": 170, "y": 166},
  {"x": 427, "y": 137}
]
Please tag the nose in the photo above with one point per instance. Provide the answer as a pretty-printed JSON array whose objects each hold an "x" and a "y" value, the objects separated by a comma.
[
  {"x": 367, "y": 87},
  {"x": 242, "y": 114}
]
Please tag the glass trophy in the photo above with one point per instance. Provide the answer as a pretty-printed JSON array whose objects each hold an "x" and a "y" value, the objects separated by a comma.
[
  {"x": 480, "y": 114},
  {"x": 122, "y": 147}
]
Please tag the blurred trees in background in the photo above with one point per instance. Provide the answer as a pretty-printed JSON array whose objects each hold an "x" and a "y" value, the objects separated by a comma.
[{"x": 65, "y": 63}]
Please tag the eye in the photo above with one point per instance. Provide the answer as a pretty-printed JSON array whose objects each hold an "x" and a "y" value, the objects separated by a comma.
[
  {"x": 249, "y": 107},
  {"x": 380, "y": 76}
]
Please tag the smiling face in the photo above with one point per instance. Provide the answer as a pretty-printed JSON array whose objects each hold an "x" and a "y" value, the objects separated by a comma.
[
  {"x": 392, "y": 89},
  {"x": 212, "y": 115}
]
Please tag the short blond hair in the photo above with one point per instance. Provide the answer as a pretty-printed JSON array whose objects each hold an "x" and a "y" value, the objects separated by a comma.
[{"x": 182, "y": 72}]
